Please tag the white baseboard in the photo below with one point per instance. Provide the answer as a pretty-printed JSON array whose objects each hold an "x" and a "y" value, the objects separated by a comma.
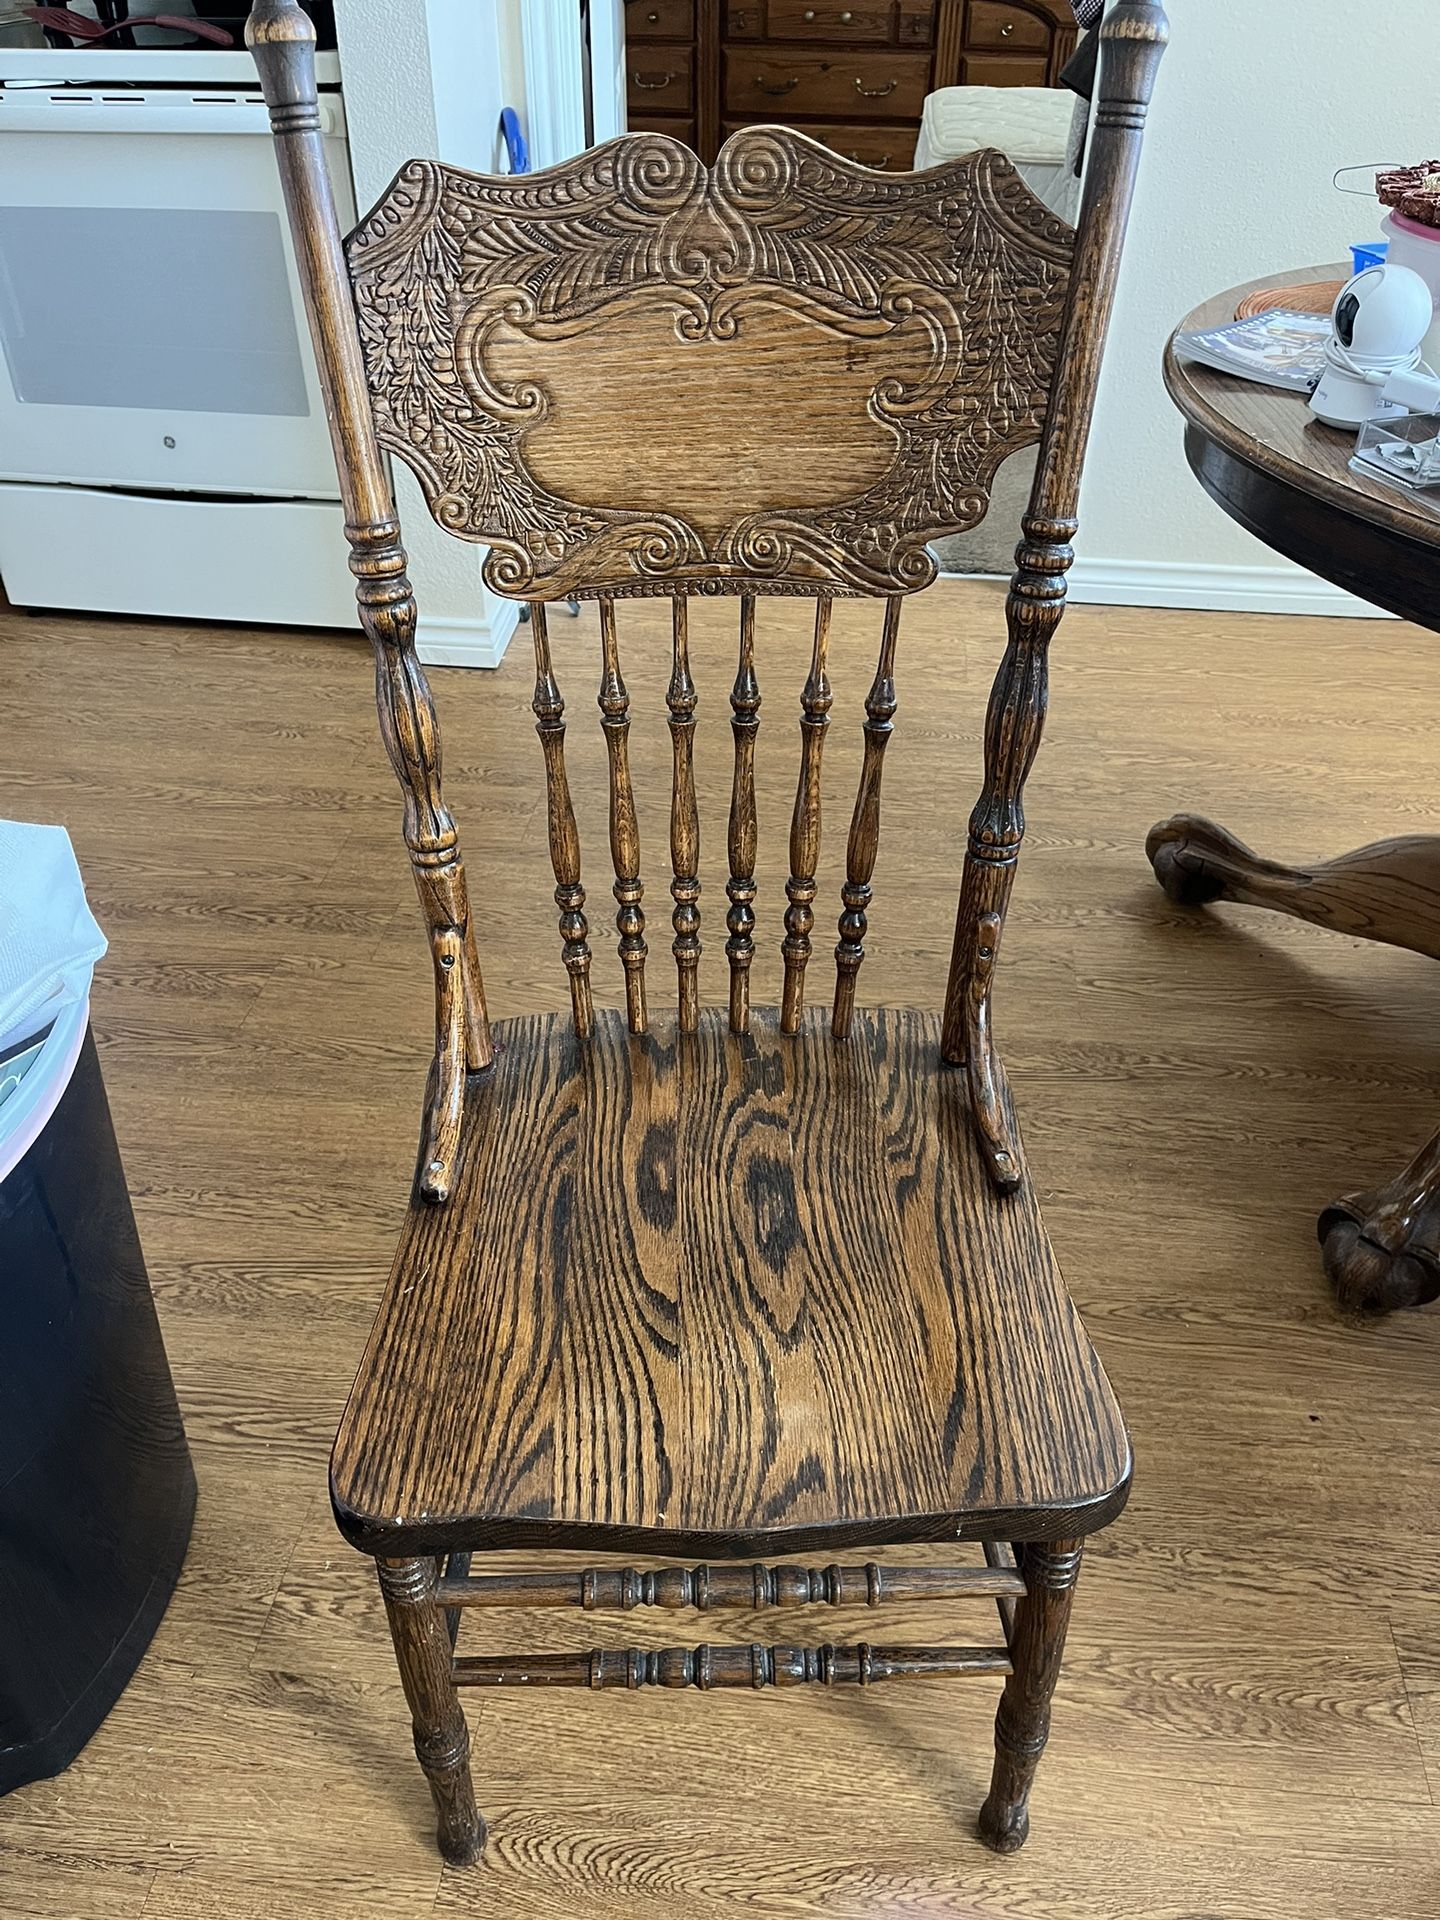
[
  {"x": 1225, "y": 589},
  {"x": 467, "y": 643}
]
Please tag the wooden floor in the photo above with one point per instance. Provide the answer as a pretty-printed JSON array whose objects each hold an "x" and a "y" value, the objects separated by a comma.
[{"x": 1249, "y": 1726}]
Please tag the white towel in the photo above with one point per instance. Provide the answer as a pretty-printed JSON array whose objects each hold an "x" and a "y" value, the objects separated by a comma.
[{"x": 49, "y": 939}]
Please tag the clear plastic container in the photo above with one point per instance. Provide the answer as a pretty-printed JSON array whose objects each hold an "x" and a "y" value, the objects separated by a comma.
[{"x": 1404, "y": 451}]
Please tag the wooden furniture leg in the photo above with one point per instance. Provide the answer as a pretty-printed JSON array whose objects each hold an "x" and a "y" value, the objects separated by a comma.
[
  {"x": 1388, "y": 892},
  {"x": 1022, "y": 1724},
  {"x": 1382, "y": 1249},
  {"x": 442, "y": 1740}
]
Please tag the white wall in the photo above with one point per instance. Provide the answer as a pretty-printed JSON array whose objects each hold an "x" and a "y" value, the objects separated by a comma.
[
  {"x": 428, "y": 78},
  {"x": 1259, "y": 101}
]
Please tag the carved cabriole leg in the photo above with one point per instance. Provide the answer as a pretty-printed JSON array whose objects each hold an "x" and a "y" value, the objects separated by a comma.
[
  {"x": 684, "y": 822},
  {"x": 1022, "y": 1724},
  {"x": 1132, "y": 40},
  {"x": 282, "y": 40},
  {"x": 1389, "y": 892},
  {"x": 864, "y": 841},
  {"x": 442, "y": 1740},
  {"x": 1382, "y": 1249}
]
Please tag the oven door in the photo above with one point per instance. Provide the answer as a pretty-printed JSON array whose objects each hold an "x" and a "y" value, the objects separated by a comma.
[{"x": 152, "y": 334}]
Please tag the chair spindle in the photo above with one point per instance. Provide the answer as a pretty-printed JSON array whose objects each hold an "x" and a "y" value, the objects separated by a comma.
[
  {"x": 743, "y": 830},
  {"x": 549, "y": 710},
  {"x": 629, "y": 890},
  {"x": 864, "y": 841},
  {"x": 684, "y": 822},
  {"x": 815, "y": 705}
]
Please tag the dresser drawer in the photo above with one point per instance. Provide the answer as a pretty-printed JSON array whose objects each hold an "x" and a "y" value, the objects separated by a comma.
[
  {"x": 915, "y": 23},
  {"x": 657, "y": 79},
  {"x": 809, "y": 20},
  {"x": 780, "y": 82},
  {"x": 992, "y": 25},
  {"x": 677, "y": 125},
  {"x": 892, "y": 149},
  {"x": 911, "y": 23},
  {"x": 1005, "y": 70},
  {"x": 659, "y": 19}
]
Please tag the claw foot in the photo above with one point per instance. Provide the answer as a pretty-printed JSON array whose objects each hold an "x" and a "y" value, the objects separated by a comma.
[
  {"x": 1382, "y": 1249},
  {"x": 1179, "y": 864}
]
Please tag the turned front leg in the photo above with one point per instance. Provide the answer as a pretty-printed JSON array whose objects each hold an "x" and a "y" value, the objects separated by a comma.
[
  {"x": 442, "y": 1740},
  {"x": 1022, "y": 1725}
]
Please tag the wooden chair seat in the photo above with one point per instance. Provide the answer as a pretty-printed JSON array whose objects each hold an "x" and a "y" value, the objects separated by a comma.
[{"x": 718, "y": 1292}]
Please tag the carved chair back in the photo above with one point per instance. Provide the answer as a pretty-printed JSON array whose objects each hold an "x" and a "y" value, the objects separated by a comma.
[{"x": 635, "y": 375}]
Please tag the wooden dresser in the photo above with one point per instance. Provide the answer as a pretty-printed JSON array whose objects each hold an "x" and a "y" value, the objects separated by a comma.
[{"x": 854, "y": 76}]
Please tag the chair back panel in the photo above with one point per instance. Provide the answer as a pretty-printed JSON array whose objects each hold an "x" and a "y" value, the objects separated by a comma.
[
  {"x": 633, "y": 374},
  {"x": 636, "y": 374}
]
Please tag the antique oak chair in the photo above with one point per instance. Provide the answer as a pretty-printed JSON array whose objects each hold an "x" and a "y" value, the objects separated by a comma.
[{"x": 727, "y": 1281}]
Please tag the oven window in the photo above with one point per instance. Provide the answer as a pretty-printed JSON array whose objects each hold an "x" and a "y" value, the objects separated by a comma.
[{"x": 157, "y": 307}]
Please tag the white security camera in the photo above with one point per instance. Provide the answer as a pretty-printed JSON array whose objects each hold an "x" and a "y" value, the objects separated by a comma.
[{"x": 1379, "y": 319}]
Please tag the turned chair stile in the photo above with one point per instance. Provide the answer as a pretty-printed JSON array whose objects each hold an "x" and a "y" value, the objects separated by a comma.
[{"x": 736, "y": 1280}]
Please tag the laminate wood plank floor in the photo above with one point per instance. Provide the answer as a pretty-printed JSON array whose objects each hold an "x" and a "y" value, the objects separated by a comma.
[{"x": 1249, "y": 1723}]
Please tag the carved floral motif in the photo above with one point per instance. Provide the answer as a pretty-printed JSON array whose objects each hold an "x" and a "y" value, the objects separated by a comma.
[{"x": 965, "y": 252}]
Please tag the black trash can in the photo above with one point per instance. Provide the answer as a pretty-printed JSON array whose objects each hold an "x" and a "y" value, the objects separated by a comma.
[{"x": 97, "y": 1493}]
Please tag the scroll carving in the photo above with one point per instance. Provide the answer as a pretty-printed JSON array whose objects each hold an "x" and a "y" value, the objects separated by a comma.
[{"x": 945, "y": 290}]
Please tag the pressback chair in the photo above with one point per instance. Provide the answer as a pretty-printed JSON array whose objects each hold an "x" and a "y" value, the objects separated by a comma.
[{"x": 726, "y": 1281}]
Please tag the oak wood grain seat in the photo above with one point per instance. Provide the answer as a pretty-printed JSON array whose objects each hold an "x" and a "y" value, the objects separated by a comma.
[{"x": 697, "y": 1293}]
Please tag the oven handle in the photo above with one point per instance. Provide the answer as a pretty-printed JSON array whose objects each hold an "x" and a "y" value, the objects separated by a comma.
[{"x": 23, "y": 111}]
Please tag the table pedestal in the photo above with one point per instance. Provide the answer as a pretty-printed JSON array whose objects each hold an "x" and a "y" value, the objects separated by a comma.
[{"x": 1381, "y": 1249}]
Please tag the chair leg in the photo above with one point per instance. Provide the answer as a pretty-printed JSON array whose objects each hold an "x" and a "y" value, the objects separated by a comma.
[
  {"x": 442, "y": 1740},
  {"x": 1022, "y": 1724}
]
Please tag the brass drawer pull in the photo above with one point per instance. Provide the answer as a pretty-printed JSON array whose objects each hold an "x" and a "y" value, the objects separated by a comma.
[
  {"x": 785, "y": 86},
  {"x": 860, "y": 161},
  {"x": 648, "y": 83},
  {"x": 874, "y": 93},
  {"x": 845, "y": 18},
  {"x": 1007, "y": 29}
]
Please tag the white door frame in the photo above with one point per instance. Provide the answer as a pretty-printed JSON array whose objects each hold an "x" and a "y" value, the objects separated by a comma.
[
  {"x": 607, "y": 69},
  {"x": 554, "y": 53}
]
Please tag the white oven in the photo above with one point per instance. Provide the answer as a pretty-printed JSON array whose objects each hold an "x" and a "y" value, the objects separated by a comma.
[{"x": 163, "y": 446}]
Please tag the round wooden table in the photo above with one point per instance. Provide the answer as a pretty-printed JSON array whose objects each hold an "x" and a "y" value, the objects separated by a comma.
[{"x": 1259, "y": 454}]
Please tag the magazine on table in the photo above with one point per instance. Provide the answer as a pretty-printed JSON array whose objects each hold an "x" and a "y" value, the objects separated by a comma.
[{"x": 1279, "y": 348}]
